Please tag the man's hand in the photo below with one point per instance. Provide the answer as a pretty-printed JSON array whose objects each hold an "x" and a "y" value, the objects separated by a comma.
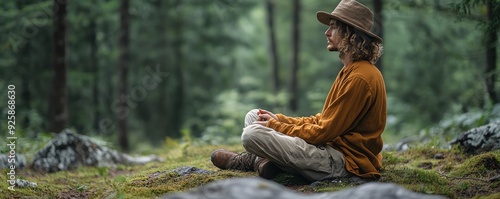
[{"x": 264, "y": 117}]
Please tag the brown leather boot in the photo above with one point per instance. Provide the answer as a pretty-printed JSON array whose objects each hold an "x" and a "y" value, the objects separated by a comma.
[
  {"x": 225, "y": 159},
  {"x": 266, "y": 169}
]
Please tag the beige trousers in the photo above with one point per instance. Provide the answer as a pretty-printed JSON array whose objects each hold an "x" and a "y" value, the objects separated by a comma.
[{"x": 292, "y": 154}]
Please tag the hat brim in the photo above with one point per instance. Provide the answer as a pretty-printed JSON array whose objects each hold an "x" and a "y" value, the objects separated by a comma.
[{"x": 325, "y": 18}]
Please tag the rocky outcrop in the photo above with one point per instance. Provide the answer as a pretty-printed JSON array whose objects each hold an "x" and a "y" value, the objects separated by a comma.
[
  {"x": 480, "y": 139},
  {"x": 68, "y": 150},
  {"x": 17, "y": 160},
  {"x": 251, "y": 188}
]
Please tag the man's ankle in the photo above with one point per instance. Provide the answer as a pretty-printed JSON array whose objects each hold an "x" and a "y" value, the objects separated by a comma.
[{"x": 266, "y": 169}]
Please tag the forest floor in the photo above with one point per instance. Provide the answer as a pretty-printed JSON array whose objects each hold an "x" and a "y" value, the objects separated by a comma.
[{"x": 424, "y": 169}]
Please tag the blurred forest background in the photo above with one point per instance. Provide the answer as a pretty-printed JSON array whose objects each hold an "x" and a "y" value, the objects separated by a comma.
[{"x": 136, "y": 72}]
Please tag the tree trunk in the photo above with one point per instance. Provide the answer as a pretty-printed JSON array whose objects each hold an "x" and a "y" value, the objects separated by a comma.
[
  {"x": 491, "y": 53},
  {"x": 58, "y": 114},
  {"x": 378, "y": 25},
  {"x": 179, "y": 95},
  {"x": 122, "y": 65},
  {"x": 295, "y": 56},
  {"x": 95, "y": 71},
  {"x": 273, "y": 52},
  {"x": 163, "y": 118}
]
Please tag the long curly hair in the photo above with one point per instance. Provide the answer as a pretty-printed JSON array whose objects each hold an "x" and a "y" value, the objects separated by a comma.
[{"x": 357, "y": 44}]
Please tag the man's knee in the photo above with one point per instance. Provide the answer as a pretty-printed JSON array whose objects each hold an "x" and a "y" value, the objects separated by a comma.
[
  {"x": 255, "y": 134},
  {"x": 251, "y": 117},
  {"x": 249, "y": 134},
  {"x": 255, "y": 138}
]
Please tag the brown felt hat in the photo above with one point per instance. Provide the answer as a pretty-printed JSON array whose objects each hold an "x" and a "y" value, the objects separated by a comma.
[{"x": 353, "y": 14}]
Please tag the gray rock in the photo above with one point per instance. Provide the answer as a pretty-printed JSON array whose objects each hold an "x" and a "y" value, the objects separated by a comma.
[
  {"x": 251, "y": 188},
  {"x": 24, "y": 183},
  {"x": 19, "y": 161},
  {"x": 481, "y": 139},
  {"x": 403, "y": 145},
  {"x": 439, "y": 156},
  {"x": 68, "y": 150},
  {"x": 186, "y": 170},
  {"x": 182, "y": 171},
  {"x": 406, "y": 143}
]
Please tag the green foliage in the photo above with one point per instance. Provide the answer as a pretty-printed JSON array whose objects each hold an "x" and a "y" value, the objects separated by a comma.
[
  {"x": 467, "y": 8},
  {"x": 228, "y": 113},
  {"x": 27, "y": 144},
  {"x": 171, "y": 143},
  {"x": 427, "y": 71},
  {"x": 215, "y": 57},
  {"x": 454, "y": 124}
]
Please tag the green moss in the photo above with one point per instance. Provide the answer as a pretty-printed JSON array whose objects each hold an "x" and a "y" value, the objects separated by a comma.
[
  {"x": 148, "y": 186},
  {"x": 481, "y": 166},
  {"x": 493, "y": 196},
  {"x": 392, "y": 158},
  {"x": 416, "y": 179},
  {"x": 416, "y": 169},
  {"x": 335, "y": 185},
  {"x": 413, "y": 176},
  {"x": 84, "y": 181}
]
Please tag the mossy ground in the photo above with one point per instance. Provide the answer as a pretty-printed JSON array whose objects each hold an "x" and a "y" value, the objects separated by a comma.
[{"x": 422, "y": 169}]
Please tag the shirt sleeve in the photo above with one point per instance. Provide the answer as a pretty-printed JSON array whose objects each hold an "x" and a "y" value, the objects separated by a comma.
[
  {"x": 339, "y": 115},
  {"x": 313, "y": 119}
]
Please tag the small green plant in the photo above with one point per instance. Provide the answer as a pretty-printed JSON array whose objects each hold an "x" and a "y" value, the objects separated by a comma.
[
  {"x": 103, "y": 171},
  {"x": 117, "y": 185},
  {"x": 462, "y": 186},
  {"x": 171, "y": 143},
  {"x": 80, "y": 188}
]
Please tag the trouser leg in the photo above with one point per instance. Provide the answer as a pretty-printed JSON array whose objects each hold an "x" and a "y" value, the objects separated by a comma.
[{"x": 292, "y": 154}]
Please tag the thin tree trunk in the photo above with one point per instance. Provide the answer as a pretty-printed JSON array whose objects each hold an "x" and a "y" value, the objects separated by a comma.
[
  {"x": 163, "y": 118},
  {"x": 122, "y": 64},
  {"x": 26, "y": 95},
  {"x": 95, "y": 70},
  {"x": 491, "y": 53},
  {"x": 295, "y": 56},
  {"x": 379, "y": 28},
  {"x": 179, "y": 95},
  {"x": 273, "y": 52},
  {"x": 58, "y": 114}
]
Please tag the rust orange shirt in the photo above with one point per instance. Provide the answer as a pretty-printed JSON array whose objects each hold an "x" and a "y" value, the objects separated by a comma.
[{"x": 352, "y": 120}]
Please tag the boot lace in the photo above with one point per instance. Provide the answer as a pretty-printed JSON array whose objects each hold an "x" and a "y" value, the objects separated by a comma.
[{"x": 243, "y": 161}]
